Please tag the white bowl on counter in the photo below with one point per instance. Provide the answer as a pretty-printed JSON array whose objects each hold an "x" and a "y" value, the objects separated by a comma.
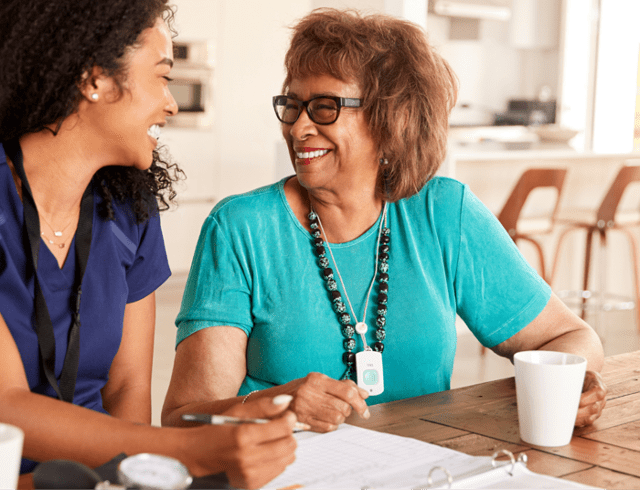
[{"x": 553, "y": 133}]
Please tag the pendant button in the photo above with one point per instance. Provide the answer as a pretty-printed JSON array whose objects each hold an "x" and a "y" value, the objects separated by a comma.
[{"x": 361, "y": 328}]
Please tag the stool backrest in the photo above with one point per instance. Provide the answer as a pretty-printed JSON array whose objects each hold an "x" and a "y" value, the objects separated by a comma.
[
  {"x": 607, "y": 210},
  {"x": 531, "y": 179}
]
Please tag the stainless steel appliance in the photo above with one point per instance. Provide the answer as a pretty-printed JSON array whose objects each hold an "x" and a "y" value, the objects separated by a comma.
[
  {"x": 526, "y": 112},
  {"x": 192, "y": 85}
]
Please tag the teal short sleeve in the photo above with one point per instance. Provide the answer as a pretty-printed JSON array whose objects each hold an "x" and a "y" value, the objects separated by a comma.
[
  {"x": 256, "y": 268},
  {"x": 497, "y": 291},
  {"x": 218, "y": 292}
]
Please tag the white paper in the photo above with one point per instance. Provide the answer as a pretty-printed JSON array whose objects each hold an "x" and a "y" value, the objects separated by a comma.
[{"x": 356, "y": 458}]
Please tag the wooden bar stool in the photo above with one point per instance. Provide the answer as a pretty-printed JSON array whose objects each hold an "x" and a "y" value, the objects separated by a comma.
[
  {"x": 527, "y": 227},
  {"x": 607, "y": 218}
]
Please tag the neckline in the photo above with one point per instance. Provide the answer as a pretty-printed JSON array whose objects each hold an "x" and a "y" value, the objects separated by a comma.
[
  {"x": 356, "y": 241},
  {"x": 4, "y": 165}
]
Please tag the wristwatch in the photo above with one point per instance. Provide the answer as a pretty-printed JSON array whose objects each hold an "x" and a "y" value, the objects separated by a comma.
[{"x": 153, "y": 472}]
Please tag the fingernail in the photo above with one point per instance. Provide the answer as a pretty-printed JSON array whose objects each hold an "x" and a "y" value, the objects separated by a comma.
[
  {"x": 366, "y": 414},
  {"x": 282, "y": 399},
  {"x": 301, "y": 426}
]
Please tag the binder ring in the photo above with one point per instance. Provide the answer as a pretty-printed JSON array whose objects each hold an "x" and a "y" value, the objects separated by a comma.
[
  {"x": 522, "y": 458},
  {"x": 444, "y": 470}
]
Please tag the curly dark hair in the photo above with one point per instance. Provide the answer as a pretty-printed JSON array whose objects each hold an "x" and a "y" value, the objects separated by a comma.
[
  {"x": 46, "y": 48},
  {"x": 407, "y": 87}
]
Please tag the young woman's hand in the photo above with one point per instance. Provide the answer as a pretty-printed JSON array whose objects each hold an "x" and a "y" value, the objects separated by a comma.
[{"x": 250, "y": 454}]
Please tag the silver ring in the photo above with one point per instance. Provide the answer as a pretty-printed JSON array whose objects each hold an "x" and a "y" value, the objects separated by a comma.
[
  {"x": 444, "y": 470},
  {"x": 522, "y": 458}
]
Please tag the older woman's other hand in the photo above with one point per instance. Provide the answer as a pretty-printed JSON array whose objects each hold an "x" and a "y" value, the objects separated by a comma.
[
  {"x": 592, "y": 400},
  {"x": 324, "y": 403}
]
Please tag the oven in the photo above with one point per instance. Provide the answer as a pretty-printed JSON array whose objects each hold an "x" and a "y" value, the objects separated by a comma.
[{"x": 192, "y": 86}]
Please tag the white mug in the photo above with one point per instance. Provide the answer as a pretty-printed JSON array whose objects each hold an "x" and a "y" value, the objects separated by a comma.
[
  {"x": 11, "y": 439},
  {"x": 548, "y": 389}
]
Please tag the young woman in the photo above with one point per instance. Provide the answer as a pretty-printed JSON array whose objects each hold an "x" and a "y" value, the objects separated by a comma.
[{"x": 83, "y": 96}]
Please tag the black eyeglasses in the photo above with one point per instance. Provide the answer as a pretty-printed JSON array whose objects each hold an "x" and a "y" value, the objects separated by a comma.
[{"x": 323, "y": 109}]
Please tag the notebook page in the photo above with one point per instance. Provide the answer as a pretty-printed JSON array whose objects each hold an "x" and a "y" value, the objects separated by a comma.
[{"x": 352, "y": 457}]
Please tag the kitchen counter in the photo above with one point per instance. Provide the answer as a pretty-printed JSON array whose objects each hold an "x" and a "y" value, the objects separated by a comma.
[
  {"x": 506, "y": 150},
  {"x": 491, "y": 169},
  {"x": 491, "y": 159}
]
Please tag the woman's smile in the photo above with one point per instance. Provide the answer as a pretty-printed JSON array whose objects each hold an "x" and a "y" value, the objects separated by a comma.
[
  {"x": 306, "y": 154},
  {"x": 154, "y": 134}
]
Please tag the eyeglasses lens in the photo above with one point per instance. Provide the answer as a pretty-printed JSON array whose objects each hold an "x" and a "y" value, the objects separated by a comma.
[
  {"x": 287, "y": 109},
  {"x": 321, "y": 110}
]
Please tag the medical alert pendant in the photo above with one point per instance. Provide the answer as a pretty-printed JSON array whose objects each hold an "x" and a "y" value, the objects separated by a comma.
[{"x": 369, "y": 371}]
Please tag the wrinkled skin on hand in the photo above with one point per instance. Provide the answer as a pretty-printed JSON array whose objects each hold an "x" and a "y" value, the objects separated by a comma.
[
  {"x": 592, "y": 400},
  {"x": 324, "y": 403}
]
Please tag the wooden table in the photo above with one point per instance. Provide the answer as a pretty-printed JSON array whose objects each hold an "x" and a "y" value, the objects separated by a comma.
[{"x": 480, "y": 419}]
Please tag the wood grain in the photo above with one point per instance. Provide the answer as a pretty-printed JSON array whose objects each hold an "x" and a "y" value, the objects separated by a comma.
[
  {"x": 601, "y": 454},
  {"x": 603, "y": 478},
  {"x": 625, "y": 435},
  {"x": 477, "y": 445},
  {"x": 551, "y": 464}
]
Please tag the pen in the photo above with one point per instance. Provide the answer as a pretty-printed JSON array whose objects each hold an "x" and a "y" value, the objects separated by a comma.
[{"x": 204, "y": 418}]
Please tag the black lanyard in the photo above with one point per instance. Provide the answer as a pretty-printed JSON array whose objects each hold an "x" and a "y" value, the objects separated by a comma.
[{"x": 44, "y": 327}]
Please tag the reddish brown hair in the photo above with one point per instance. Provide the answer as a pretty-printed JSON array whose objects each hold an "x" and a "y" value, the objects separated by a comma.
[{"x": 407, "y": 88}]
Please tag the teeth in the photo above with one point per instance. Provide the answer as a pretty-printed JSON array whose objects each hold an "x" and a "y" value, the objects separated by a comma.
[
  {"x": 311, "y": 154},
  {"x": 154, "y": 131}
]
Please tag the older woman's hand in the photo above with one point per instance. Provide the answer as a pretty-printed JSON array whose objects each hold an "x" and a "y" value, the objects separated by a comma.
[
  {"x": 324, "y": 403},
  {"x": 592, "y": 400}
]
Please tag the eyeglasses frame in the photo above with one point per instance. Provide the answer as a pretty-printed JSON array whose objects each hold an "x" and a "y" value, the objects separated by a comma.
[{"x": 341, "y": 102}]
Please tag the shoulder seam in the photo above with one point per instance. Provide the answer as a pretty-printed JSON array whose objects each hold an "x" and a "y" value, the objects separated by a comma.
[{"x": 236, "y": 197}]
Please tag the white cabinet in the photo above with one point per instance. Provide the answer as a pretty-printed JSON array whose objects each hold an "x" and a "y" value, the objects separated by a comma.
[{"x": 535, "y": 24}]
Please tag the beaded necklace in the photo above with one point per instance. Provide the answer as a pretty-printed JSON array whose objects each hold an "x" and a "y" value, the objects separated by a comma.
[{"x": 381, "y": 265}]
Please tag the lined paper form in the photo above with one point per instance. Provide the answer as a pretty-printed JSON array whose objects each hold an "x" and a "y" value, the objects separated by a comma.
[{"x": 353, "y": 457}]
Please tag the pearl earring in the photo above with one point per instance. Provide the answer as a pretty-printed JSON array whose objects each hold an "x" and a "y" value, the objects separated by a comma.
[{"x": 94, "y": 97}]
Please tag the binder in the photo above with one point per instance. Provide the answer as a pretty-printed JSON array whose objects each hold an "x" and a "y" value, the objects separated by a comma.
[
  {"x": 512, "y": 474},
  {"x": 362, "y": 459}
]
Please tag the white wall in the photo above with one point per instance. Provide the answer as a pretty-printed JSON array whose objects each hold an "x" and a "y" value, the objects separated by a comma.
[
  {"x": 364, "y": 5},
  {"x": 491, "y": 70},
  {"x": 617, "y": 75}
]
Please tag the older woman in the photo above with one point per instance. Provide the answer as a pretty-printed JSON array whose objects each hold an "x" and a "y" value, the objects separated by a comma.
[
  {"x": 357, "y": 265},
  {"x": 83, "y": 95}
]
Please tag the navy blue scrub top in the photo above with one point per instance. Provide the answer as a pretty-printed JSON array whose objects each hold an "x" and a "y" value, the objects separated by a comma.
[{"x": 127, "y": 262}]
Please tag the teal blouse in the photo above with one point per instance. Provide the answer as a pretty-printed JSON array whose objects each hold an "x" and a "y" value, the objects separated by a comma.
[{"x": 255, "y": 268}]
